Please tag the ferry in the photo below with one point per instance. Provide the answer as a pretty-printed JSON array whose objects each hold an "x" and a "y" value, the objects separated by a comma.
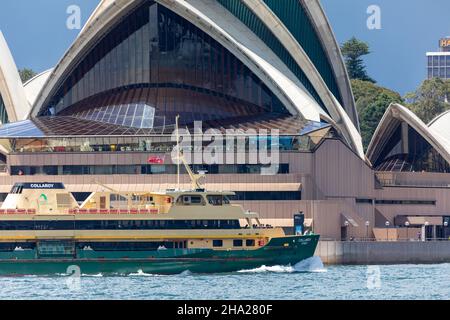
[{"x": 45, "y": 231}]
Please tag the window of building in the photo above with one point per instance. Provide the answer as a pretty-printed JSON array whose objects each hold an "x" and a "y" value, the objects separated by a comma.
[
  {"x": 407, "y": 202},
  {"x": 422, "y": 157},
  {"x": 137, "y": 169},
  {"x": 266, "y": 196},
  {"x": 364, "y": 201}
]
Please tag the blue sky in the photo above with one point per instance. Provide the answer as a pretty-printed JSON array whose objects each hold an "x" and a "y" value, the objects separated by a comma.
[{"x": 37, "y": 35}]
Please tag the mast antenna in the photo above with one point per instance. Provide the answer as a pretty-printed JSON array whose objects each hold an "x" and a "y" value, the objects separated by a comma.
[
  {"x": 178, "y": 152},
  {"x": 195, "y": 178}
]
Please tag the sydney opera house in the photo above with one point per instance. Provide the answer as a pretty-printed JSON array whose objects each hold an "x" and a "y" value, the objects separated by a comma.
[{"x": 104, "y": 116}]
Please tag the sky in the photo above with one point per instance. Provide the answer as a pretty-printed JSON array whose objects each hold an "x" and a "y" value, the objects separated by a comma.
[{"x": 38, "y": 37}]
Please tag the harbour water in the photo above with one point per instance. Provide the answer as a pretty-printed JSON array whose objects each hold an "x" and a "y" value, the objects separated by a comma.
[{"x": 307, "y": 280}]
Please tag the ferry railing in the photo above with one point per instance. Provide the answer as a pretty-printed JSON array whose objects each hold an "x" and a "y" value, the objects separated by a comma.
[
  {"x": 17, "y": 211},
  {"x": 88, "y": 211},
  {"x": 133, "y": 211}
]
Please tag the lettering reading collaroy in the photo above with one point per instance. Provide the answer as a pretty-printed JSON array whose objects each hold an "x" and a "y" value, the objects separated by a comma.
[{"x": 41, "y": 185}]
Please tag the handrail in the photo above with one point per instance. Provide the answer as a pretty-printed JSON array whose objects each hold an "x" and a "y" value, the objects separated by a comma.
[{"x": 136, "y": 211}]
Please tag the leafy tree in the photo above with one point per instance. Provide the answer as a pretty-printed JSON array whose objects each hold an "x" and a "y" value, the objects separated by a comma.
[
  {"x": 371, "y": 103},
  {"x": 26, "y": 74},
  {"x": 430, "y": 99},
  {"x": 353, "y": 50}
]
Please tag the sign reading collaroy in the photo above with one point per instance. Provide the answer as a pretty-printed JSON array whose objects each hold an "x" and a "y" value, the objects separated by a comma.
[{"x": 44, "y": 185}]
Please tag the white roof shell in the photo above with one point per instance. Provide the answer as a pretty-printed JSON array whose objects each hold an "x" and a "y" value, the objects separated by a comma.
[
  {"x": 236, "y": 37},
  {"x": 11, "y": 87}
]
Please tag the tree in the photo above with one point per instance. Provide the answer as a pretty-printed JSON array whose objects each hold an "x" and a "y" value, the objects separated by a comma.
[
  {"x": 430, "y": 99},
  {"x": 353, "y": 50},
  {"x": 371, "y": 104},
  {"x": 26, "y": 74}
]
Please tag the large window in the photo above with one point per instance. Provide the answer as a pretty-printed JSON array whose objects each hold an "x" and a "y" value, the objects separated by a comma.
[
  {"x": 421, "y": 156},
  {"x": 154, "y": 65},
  {"x": 141, "y": 169}
]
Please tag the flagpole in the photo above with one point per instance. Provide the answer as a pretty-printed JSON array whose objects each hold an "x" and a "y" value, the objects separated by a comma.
[{"x": 178, "y": 153}]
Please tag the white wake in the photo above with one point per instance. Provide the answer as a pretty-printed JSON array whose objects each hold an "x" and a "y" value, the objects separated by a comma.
[{"x": 313, "y": 264}]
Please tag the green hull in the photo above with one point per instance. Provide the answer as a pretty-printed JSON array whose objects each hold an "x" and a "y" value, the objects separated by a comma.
[{"x": 279, "y": 251}]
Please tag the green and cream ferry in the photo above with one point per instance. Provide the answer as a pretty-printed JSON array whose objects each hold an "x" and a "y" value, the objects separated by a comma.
[{"x": 43, "y": 230}]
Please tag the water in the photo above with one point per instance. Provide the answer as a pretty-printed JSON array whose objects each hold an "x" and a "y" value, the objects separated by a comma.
[{"x": 306, "y": 280}]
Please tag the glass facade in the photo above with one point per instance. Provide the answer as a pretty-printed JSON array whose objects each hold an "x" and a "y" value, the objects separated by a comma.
[
  {"x": 439, "y": 66},
  {"x": 3, "y": 113},
  {"x": 137, "y": 115},
  {"x": 157, "y": 59},
  {"x": 140, "y": 169},
  {"x": 158, "y": 144},
  {"x": 421, "y": 156}
]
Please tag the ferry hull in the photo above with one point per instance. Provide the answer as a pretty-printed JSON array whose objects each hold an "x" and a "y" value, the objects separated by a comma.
[{"x": 279, "y": 251}]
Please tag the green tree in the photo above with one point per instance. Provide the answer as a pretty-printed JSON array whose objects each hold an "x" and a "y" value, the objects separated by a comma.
[
  {"x": 26, "y": 74},
  {"x": 430, "y": 99},
  {"x": 371, "y": 103},
  {"x": 353, "y": 50}
]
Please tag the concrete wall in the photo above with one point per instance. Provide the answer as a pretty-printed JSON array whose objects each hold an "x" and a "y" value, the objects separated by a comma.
[{"x": 388, "y": 252}]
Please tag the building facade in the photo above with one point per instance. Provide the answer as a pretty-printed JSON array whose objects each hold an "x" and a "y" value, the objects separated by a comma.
[
  {"x": 105, "y": 115},
  {"x": 438, "y": 63}
]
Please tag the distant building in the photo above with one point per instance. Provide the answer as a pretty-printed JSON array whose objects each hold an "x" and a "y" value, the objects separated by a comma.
[{"x": 439, "y": 62}]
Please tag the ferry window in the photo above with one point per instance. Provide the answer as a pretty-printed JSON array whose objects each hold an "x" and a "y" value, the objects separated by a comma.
[
  {"x": 17, "y": 189},
  {"x": 217, "y": 243},
  {"x": 250, "y": 243},
  {"x": 215, "y": 200},
  {"x": 196, "y": 200},
  {"x": 237, "y": 243},
  {"x": 190, "y": 200},
  {"x": 226, "y": 200}
]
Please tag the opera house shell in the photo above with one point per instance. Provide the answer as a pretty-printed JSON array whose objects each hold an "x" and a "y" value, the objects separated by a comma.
[
  {"x": 139, "y": 63},
  {"x": 404, "y": 143}
]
